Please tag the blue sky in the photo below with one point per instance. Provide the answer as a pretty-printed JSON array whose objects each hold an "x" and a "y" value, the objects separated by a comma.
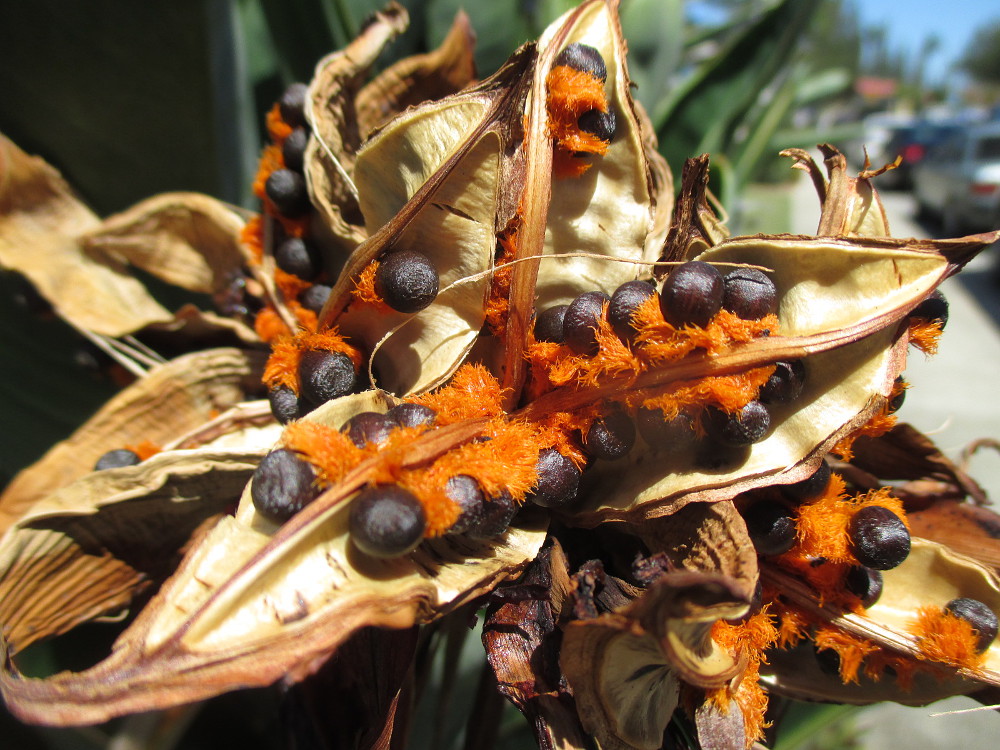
[{"x": 910, "y": 21}]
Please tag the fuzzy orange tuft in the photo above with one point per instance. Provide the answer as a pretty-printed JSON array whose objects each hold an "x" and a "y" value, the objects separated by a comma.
[
  {"x": 883, "y": 661},
  {"x": 364, "y": 289},
  {"x": 793, "y": 623},
  {"x": 330, "y": 451},
  {"x": 498, "y": 302},
  {"x": 472, "y": 393},
  {"x": 945, "y": 638},
  {"x": 566, "y": 165},
  {"x": 277, "y": 128},
  {"x": 307, "y": 319},
  {"x": 925, "y": 335},
  {"x": 879, "y": 424},
  {"x": 290, "y": 285},
  {"x": 572, "y": 92},
  {"x": 728, "y": 392},
  {"x": 329, "y": 340},
  {"x": 252, "y": 237},
  {"x": 269, "y": 325},
  {"x": 851, "y": 649},
  {"x": 144, "y": 449},
  {"x": 282, "y": 367}
]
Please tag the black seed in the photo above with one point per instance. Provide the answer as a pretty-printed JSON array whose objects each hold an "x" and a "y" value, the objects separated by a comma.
[
  {"x": 610, "y": 437},
  {"x": 315, "y": 297},
  {"x": 558, "y": 480},
  {"x": 977, "y": 614},
  {"x": 498, "y": 512},
  {"x": 828, "y": 661},
  {"x": 293, "y": 150},
  {"x": 602, "y": 124},
  {"x": 749, "y": 294},
  {"x": 407, "y": 281},
  {"x": 369, "y": 427},
  {"x": 325, "y": 375},
  {"x": 580, "y": 323},
  {"x": 298, "y": 257},
  {"x": 879, "y": 538},
  {"x": 864, "y": 583},
  {"x": 747, "y": 426},
  {"x": 411, "y": 415},
  {"x": 284, "y": 404},
  {"x": 386, "y": 521},
  {"x": 292, "y": 105},
  {"x": 692, "y": 294},
  {"x": 897, "y": 401},
  {"x": 658, "y": 433},
  {"x": 287, "y": 191},
  {"x": 624, "y": 302},
  {"x": 771, "y": 527},
  {"x": 283, "y": 484},
  {"x": 584, "y": 58},
  {"x": 785, "y": 384},
  {"x": 812, "y": 486},
  {"x": 467, "y": 493},
  {"x": 934, "y": 307},
  {"x": 116, "y": 459},
  {"x": 549, "y": 324}
]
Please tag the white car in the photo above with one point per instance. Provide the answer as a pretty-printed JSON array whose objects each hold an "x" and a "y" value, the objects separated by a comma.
[{"x": 958, "y": 182}]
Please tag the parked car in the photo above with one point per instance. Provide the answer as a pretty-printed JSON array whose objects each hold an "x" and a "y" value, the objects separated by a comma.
[
  {"x": 959, "y": 180},
  {"x": 912, "y": 143}
]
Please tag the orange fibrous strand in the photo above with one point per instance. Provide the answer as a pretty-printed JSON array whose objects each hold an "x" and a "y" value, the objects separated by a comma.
[
  {"x": 472, "y": 393},
  {"x": 269, "y": 325},
  {"x": 290, "y": 285},
  {"x": 851, "y": 649},
  {"x": 557, "y": 430},
  {"x": 728, "y": 392},
  {"x": 945, "y": 638},
  {"x": 364, "y": 289},
  {"x": 329, "y": 340},
  {"x": 282, "y": 367},
  {"x": 879, "y": 424},
  {"x": 572, "y": 92},
  {"x": 793, "y": 623},
  {"x": 330, "y": 451},
  {"x": 144, "y": 449},
  {"x": 925, "y": 334},
  {"x": 498, "y": 302},
  {"x": 881, "y": 661},
  {"x": 277, "y": 128},
  {"x": 252, "y": 237}
]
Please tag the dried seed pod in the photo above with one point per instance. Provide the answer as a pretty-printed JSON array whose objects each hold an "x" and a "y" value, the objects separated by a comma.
[
  {"x": 864, "y": 583},
  {"x": 677, "y": 434},
  {"x": 771, "y": 527},
  {"x": 324, "y": 375},
  {"x": 812, "y": 486},
  {"x": 315, "y": 297},
  {"x": 467, "y": 493},
  {"x": 624, "y": 302},
  {"x": 412, "y": 415},
  {"x": 549, "y": 324},
  {"x": 284, "y": 404},
  {"x": 287, "y": 191},
  {"x": 294, "y": 148},
  {"x": 292, "y": 104},
  {"x": 283, "y": 484},
  {"x": 369, "y": 427},
  {"x": 498, "y": 512},
  {"x": 785, "y": 384},
  {"x": 584, "y": 58},
  {"x": 407, "y": 281},
  {"x": 610, "y": 437},
  {"x": 934, "y": 307},
  {"x": 299, "y": 258},
  {"x": 979, "y": 615},
  {"x": 747, "y": 426},
  {"x": 602, "y": 124},
  {"x": 116, "y": 459},
  {"x": 558, "y": 480},
  {"x": 691, "y": 294},
  {"x": 580, "y": 323},
  {"x": 749, "y": 293},
  {"x": 386, "y": 521},
  {"x": 879, "y": 538}
]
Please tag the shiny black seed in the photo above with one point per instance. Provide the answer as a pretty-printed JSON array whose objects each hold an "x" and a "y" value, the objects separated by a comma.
[
  {"x": 315, "y": 297},
  {"x": 624, "y": 302},
  {"x": 467, "y": 493},
  {"x": 934, "y": 307},
  {"x": 549, "y": 324},
  {"x": 282, "y": 485},
  {"x": 897, "y": 401},
  {"x": 116, "y": 459},
  {"x": 747, "y": 426},
  {"x": 411, "y": 415},
  {"x": 879, "y": 538},
  {"x": 386, "y": 521},
  {"x": 325, "y": 375},
  {"x": 977, "y": 614},
  {"x": 659, "y": 434},
  {"x": 369, "y": 427},
  {"x": 407, "y": 281},
  {"x": 692, "y": 294},
  {"x": 299, "y": 258},
  {"x": 602, "y": 124},
  {"x": 293, "y": 150},
  {"x": 771, "y": 527},
  {"x": 558, "y": 480},
  {"x": 864, "y": 583},
  {"x": 749, "y": 294},
  {"x": 584, "y": 58},
  {"x": 498, "y": 512},
  {"x": 287, "y": 191},
  {"x": 292, "y": 105},
  {"x": 785, "y": 384},
  {"x": 812, "y": 486},
  {"x": 284, "y": 404},
  {"x": 610, "y": 437},
  {"x": 580, "y": 323}
]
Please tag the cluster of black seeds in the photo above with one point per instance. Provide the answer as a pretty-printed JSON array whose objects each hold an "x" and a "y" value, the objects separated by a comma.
[
  {"x": 323, "y": 376},
  {"x": 116, "y": 459},
  {"x": 587, "y": 59},
  {"x": 374, "y": 428},
  {"x": 771, "y": 523},
  {"x": 286, "y": 188}
]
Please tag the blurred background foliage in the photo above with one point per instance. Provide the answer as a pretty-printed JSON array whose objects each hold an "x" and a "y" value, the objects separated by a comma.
[{"x": 129, "y": 99}]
